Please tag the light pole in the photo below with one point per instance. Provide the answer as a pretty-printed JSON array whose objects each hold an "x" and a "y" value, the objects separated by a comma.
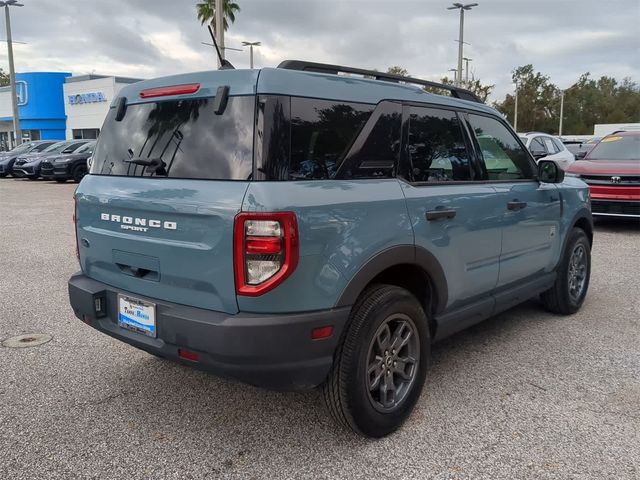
[
  {"x": 251, "y": 45},
  {"x": 12, "y": 72},
  {"x": 515, "y": 111},
  {"x": 455, "y": 75},
  {"x": 466, "y": 75},
  {"x": 561, "y": 112},
  {"x": 462, "y": 8},
  {"x": 219, "y": 29}
]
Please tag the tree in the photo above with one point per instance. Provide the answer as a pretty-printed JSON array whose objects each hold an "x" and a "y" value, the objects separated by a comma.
[
  {"x": 586, "y": 102},
  {"x": 207, "y": 12},
  {"x": 397, "y": 70},
  {"x": 538, "y": 104},
  {"x": 4, "y": 78},
  {"x": 475, "y": 86}
]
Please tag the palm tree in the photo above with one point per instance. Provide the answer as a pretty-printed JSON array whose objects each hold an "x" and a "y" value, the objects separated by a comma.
[{"x": 207, "y": 12}]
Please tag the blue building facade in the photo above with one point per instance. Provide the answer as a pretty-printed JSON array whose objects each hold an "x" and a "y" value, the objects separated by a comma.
[{"x": 40, "y": 106}]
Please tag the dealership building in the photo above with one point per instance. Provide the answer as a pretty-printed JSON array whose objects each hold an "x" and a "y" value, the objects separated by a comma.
[{"x": 58, "y": 105}]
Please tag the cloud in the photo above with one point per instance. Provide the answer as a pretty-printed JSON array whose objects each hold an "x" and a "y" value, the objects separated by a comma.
[{"x": 143, "y": 38}]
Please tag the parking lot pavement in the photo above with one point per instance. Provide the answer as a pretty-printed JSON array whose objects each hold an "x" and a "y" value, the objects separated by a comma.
[{"x": 524, "y": 395}]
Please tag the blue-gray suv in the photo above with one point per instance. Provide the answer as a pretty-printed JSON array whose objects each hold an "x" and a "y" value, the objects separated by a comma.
[{"x": 315, "y": 225}]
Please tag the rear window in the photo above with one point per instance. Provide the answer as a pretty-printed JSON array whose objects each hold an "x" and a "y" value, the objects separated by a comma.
[
  {"x": 617, "y": 147},
  {"x": 179, "y": 139}
]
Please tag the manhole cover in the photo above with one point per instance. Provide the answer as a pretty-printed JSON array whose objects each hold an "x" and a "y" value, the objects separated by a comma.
[{"x": 27, "y": 340}]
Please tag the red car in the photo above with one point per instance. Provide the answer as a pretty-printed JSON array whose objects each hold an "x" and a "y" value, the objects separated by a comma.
[{"x": 612, "y": 170}]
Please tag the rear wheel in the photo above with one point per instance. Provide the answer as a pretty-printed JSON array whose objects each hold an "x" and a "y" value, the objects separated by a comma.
[
  {"x": 379, "y": 368},
  {"x": 572, "y": 281},
  {"x": 79, "y": 172}
]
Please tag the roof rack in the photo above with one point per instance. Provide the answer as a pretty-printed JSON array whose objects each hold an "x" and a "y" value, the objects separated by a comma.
[{"x": 302, "y": 65}]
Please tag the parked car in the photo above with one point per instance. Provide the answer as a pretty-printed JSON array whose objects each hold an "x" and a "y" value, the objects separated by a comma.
[
  {"x": 580, "y": 148},
  {"x": 612, "y": 170},
  {"x": 547, "y": 147},
  {"x": 8, "y": 159},
  {"x": 291, "y": 227},
  {"x": 70, "y": 166},
  {"x": 28, "y": 165}
]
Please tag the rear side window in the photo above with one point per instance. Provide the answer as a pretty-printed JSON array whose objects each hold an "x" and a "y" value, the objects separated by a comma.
[
  {"x": 503, "y": 157},
  {"x": 179, "y": 139},
  {"x": 322, "y": 133},
  {"x": 436, "y": 147}
]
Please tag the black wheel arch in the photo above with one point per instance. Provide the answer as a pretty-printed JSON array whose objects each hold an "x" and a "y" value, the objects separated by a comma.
[
  {"x": 409, "y": 259},
  {"x": 583, "y": 220}
]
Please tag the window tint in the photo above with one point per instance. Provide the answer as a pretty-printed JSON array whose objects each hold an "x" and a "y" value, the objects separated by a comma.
[
  {"x": 537, "y": 146},
  {"x": 551, "y": 148},
  {"x": 375, "y": 153},
  {"x": 40, "y": 147},
  {"x": 558, "y": 144},
  {"x": 503, "y": 157},
  {"x": 183, "y": 139},
  {"x": 322, "y": 133},
  {"x": 436, "y": 147}
]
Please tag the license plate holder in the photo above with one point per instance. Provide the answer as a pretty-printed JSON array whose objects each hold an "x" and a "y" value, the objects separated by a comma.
[{"x": 137, "y": 315}]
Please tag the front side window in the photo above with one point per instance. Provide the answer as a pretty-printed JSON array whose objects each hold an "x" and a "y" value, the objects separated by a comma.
[
  {"x": 436, "y": 147},
  {"x": 322, "y": 133},
  {"x": 503, "y": 157},
  {"x": 179, "y": 139}
]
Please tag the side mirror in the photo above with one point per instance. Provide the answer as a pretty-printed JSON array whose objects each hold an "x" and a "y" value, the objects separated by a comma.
[
  {"x": 580, "y": 155},
  {"x": 550, "y": 172}
]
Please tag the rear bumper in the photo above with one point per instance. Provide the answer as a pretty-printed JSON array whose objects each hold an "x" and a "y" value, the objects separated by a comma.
[{"x": 272, "y": 351}]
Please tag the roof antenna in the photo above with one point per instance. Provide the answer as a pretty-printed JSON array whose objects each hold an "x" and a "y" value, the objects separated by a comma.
[{"x": 224, "y": 64}]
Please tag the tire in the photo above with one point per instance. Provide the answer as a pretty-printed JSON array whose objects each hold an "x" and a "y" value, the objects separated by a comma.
[
  {"x": 61, "y": 180},
  {"x": 569, "y": 291},
  {"x": 78, "y": 173},
  {"x": 356, "y": 366}
]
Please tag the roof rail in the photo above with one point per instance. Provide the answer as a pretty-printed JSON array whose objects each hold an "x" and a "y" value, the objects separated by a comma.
[{"x": 302, "y": 65}]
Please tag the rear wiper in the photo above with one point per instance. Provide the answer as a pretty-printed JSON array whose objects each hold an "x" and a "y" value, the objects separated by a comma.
[{"x": 155, "y": 164}]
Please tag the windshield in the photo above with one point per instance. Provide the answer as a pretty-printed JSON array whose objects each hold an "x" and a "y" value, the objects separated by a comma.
[
  {"x": 617, "y": 148},
  {"x": 25, "y": 147},
  {"x": 56, "y": 147},
  {"x": 86, "y": 148},
  {"x": 179, "y": 139}
]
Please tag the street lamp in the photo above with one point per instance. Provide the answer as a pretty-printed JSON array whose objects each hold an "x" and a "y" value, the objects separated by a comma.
[
  {"x": 466, "y": 75},
  {"x": 12, "y": 72},
  {"x": 515, "y": 110},
  {"x": 455, "y": 75},
  {"x": 462, "y": 8},
  {"x": 251, "y": 45}
]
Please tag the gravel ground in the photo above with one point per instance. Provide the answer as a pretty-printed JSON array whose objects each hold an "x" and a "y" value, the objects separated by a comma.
[{"x": 524, "y": 395}]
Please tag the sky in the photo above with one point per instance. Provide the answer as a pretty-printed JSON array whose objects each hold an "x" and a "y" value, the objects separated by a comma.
[{"x": 150, "y": 38}]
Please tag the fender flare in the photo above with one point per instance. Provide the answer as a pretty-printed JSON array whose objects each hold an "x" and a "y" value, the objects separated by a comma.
[
  {"x": 393, "y": 256},
  {"x": 582, "y": 213}
]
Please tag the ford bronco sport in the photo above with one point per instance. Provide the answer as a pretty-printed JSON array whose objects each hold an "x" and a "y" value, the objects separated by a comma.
[{"x": 302, "y": 225}]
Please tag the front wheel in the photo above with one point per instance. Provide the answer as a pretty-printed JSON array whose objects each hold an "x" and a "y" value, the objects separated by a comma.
[
  {"x": 78, "y": 173},
  {"x": 380, "y": 367},
  {"x": 572, "y": 281}
]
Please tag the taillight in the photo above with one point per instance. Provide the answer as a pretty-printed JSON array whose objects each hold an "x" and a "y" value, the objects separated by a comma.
[
  {"x": 75, "y": 225},
  {"x": 265, "y": 250},
  {"x": 171, "y": 90}
]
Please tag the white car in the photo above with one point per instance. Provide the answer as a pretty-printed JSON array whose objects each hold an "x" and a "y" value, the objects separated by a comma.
[{"x": 547, "y": 147}]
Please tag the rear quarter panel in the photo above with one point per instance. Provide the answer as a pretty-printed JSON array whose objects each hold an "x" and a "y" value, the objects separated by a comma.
[{"x": 341, "y": 223}]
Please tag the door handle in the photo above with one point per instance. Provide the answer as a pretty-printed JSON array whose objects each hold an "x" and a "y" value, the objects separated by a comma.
[
  {"x": 516, "y": 205},
  {"x": 440, "y": 215}
]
